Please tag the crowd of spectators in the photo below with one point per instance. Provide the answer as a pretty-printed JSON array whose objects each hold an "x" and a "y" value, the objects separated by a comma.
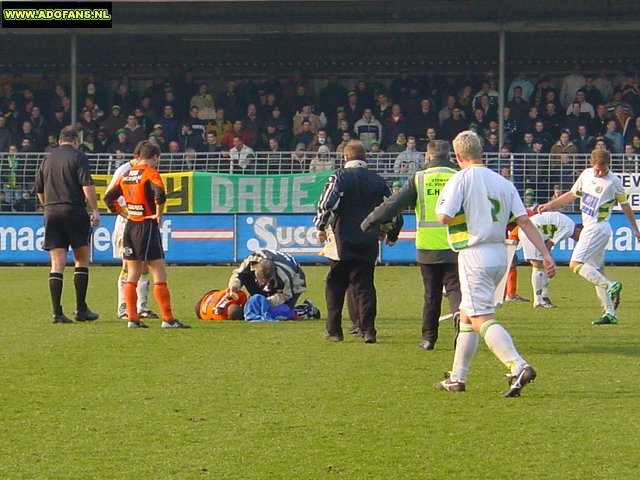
[{"x": 241, "y": 118}]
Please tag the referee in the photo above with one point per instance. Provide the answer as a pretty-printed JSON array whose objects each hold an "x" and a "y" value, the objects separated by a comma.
[{"x": 64, "y": 186}]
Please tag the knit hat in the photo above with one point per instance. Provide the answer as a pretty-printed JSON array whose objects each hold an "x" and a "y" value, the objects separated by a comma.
[
  {"x": 301, "y": 146},
  {"x": 116, "y": 107},
  {"x": 396, "y": 184},
  {"x": 119, "y": 131},
  {"x": 529, "y": 192}
]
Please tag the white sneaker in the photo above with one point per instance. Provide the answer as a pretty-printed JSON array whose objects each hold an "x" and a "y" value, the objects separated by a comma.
[
  {"x": 138, "y": 324},
  {"x": 174, "y": 324}
]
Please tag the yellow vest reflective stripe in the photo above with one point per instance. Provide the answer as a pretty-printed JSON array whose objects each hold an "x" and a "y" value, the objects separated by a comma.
[{"x": 430, "y": 235}]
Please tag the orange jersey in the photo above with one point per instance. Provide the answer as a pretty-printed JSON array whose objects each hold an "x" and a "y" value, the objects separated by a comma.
[
  {"x": 142, "y": 189},
  {"x": 214, "y": 304}
]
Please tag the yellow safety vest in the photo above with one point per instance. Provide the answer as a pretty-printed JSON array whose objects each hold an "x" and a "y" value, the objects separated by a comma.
[{"x": 430, "y": 234}]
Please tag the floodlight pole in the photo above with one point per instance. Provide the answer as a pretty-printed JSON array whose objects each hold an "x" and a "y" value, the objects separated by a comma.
[
  {"x": 501, "y": 88},
  {"x": 74, "y": 73}
]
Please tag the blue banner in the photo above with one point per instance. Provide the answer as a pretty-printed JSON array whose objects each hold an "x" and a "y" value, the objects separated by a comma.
[{"x": 212, "y": 238}]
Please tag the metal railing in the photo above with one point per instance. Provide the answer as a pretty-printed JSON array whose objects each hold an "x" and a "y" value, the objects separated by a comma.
[{"x": 540, "y": 172}]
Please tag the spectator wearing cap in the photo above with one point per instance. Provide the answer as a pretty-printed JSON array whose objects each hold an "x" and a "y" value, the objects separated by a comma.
[
  {"x": 120, "y": 143},
  {"x": 377, "y": 160},
  {"x": 114, "y": 121},
  {"x": 353, "y": 109},
  {"x": 159, "y": 138},
  {"x": 399, "y": 145},
  {"x": 305, "y": 113},
  {"x": 368, "y": 129},
  {"x": 323, "y": 161},
  {"x": 305, "y": 136},
  {"x": 299, "y": 161},
  {"x": 170, "y": 125}
]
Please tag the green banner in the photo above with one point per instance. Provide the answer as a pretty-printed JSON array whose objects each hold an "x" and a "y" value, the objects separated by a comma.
[{"x": 219, "y": 193}]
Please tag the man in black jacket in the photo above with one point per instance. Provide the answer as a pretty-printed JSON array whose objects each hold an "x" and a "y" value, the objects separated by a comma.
[{"x": 349, "y": 195}]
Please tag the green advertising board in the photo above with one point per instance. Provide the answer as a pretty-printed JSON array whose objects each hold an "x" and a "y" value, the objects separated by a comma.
[{"x": 220, "y": 193}]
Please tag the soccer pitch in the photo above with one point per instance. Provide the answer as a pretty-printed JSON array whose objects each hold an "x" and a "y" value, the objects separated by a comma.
[{"x": 236, "y": 400}]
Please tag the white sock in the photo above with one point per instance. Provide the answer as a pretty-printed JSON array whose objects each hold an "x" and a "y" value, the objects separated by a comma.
[
  {"x": 466, "y": 347},
  {"x": 122, "y": 306},
  {"x": 500, "y": 343},
  {"x": 539, "y": 282},
  {"x": 143, "y": 292},
  {"x": 605, "y": 301},
  {"x": 593, "y": 275}
]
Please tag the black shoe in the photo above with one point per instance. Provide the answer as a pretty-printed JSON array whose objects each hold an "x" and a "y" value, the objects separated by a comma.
[
  {"x": 148, "y": 314},
  {"x": 333, "y": 338},
  {"x": 518, "y": 381},
  {"x": 62, "y": 318},
  {"x": 427, "y": 345},
  {"x": 314, "y": 312},
  {"x": 86, "y": 316},
  {"x": 353, "y": 330},
  {"x": 370, "y": 338}
]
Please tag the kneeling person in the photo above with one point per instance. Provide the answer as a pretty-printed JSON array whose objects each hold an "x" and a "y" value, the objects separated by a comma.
[
  {"x": 276, "y": 275},
  {"x": 554, "y": 228}
]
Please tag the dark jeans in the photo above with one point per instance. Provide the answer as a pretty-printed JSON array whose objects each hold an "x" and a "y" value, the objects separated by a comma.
[
  {"x": 434, "y": 276},
  {"x": 358, "y": 278}
]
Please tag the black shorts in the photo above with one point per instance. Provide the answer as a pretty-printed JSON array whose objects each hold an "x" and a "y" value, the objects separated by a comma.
[
  {"x": 142, "y": 241},
  {"x": 66, "y": 225}
]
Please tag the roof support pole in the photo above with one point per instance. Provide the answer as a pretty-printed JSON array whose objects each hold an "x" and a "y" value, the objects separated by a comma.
[
  {"x": 502, "y": 88},
  {"x": 74, "y": 79}
]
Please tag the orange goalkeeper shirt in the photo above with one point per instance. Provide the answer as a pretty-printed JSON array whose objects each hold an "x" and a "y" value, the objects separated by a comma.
[{"x": 142, "y": 189}]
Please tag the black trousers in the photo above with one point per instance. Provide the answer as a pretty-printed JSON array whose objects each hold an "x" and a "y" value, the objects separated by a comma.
[
  {"x": 357, "y": 277},
  {"x": 434, "y": 277}
]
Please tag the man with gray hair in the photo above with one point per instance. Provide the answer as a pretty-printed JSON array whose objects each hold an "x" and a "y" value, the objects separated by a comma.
[
  {"x": 438, "y": 263},
  {"x": 476, "y": 205}
]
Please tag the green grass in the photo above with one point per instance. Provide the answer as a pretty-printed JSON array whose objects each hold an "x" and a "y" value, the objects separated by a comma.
[{"x": 234, "y": 400}]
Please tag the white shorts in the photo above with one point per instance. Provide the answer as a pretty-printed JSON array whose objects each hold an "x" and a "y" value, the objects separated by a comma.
[
  {"x": 118, "y": 234},
  {"x": 529, "y": 251},
  {"x": 592, "y": 244},
  {"x": 480, "y": 269}
]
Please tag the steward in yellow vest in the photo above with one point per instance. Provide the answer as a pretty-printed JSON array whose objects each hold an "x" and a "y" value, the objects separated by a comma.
[{"x": 438, "y": 263}]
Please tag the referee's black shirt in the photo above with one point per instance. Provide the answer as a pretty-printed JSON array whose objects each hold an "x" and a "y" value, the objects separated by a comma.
[{"x": 62, "y": 175}]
